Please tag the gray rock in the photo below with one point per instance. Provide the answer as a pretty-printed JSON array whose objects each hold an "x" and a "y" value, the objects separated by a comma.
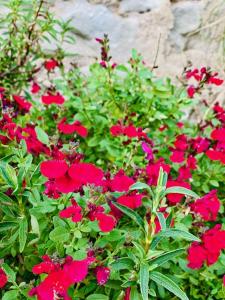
[
  {"x": 127, "y": 6},
  {"x": 93, "y": 21},
  {"x": 187, "y": 16}
]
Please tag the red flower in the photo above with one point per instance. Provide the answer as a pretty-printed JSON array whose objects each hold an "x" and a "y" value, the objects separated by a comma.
[
  {"x": 175, "y": 198},
  {"x": 216, "y": 81},
  {"x": 58, "y": 281},
  {"x": 130, "y": 131},
  {"x": 200, "y": 144},
  {"x": 121, "y": 182},
  {"x": 50, "y": 64},
  {"x": 218, "y": 134},
  {"x": 177, "y": 156},
  {"x": 213, "y": 241},
  {"x": 196, "y": 256},
  {"x": 106, "y": 223},
  {"x": 191, "y": 162},
  {"x": 22, "y": 103},
  {"x": 86, "y": 173},
  {"x": 132, "y": 201},
  {"x": 3, "y": 278},
  {"x": 102, "y": 275},
  {"x": 47, "y": 266},
  {"x": 191, "y": 90},
  {"x": 53, "y": 99},
  {"x": 35, "y": 88},
  {"x": 116, "y": 130},
  {"x": 53, "y": 168},
  {"x": 184, "y": 173},
  {"x": 71, "y": 128},
  {"x": 73, "y": 212},
  {"x": 207, "y": 206}
]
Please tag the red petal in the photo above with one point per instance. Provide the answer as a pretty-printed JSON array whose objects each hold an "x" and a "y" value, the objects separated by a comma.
[{"x": 53, "y": 168}]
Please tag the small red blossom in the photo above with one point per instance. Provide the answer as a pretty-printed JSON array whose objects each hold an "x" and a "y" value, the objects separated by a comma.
[
  {"x": 218, "y": 134},
  {"x": 50, "y": 64},
  {"x": 121, "y": 182},
  {"x": 71, "y": 128},
  {"x": 73, "y": 212},
  {"x": 53, "y": 168},
  {"x": 106, "y": 223},
  {"x": 152, "y": 171},
  {"x": 102, "y": 275},
  {"x": 53, "y": 99},
  {"x": 191, "y": 90},
  {"x": 23, "y": 104},
  {"x": 132, "y": 201},
  {"x": 116, "y": 130},
  {"x": 207, "y": 206},
  {"x": 35, "y": 88},
  {"x": 3, "y": 278}
]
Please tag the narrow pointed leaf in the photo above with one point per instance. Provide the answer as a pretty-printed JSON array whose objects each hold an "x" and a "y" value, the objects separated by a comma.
[
  {"x": 177, "y": 233},
  {"x": 168, "y": 284},
  {"x": 163, "y": 258},
  {"x": 181, "y": 190},
  {"x": 23, "y": 228},
  {"x": 144, "y": 280},
  {"x": 130, "y": 213}
]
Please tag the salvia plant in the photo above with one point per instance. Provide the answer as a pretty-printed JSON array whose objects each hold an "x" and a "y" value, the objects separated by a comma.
[{"x": 109, "y": 189}]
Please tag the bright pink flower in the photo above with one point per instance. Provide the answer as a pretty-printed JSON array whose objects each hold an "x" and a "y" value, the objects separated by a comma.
[
  {"x": 184, "y": 173},
  {"x": 207, "y": 206},
  {"x": 130, "y": 131},
  {"x": 106, "y": 223},
  {"x": 177, "y": 156},
  {"x": 192, "y": 162},
  {"x": 191, "y": 90},
  {"x": 200, "y": 144},
  {"x": 148, "y": 150},
  {"x": 53, "y": 99},
  {"x": 73, "y": 212},
  {"x": 86, "y": 173},
  {"x": 214, "y": 154},
  {"x": 51, "y": 190},
  {"x": 71, "y": 128},
  {"x": 175, "y": 198},
  {"x": 22, "y": 103},
  {"x": 121, "y": 182},
  {"x": 127, "y": 294},
  {"x": 181, "y": 143},
  {"x": 116, "y": 130},
  {"x": 53, "y": 168},
  {"x": 66, "y": 184},
  {"x": 3, "y": 278},
  {"x": 218, "y": 134},
  {"x": 58, "y": 281},
  {"x": 35, "y": 88},
  {"x": 196, "y": 256},
  {"x": 180, "y": 124},
  {"x": 102, "y": 275},
  {"x": 50, "y": 64},
  {"x": 216, "y": 81},
  {"x": 132, "y": 201}
]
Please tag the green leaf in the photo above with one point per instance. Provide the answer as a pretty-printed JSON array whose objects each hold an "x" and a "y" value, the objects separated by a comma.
[
  {"x": 161, "y": 259},
  {"x": 168, "y": 284},
  {"x": 130, "y": 213},
  {"x": 140, "y": 186},
  {"x": 23, "y": 228},
  {"x": 177, "y": 233},
  {"x": 11, "y": 275},
  {"x": 122, "y": 264},
  {"x": 181, "y": 190},
  {"x": 59, "y": 234},
  {"x": 7, "y": 225},
  {"x": 134, "y": 295},
  {"x": 42, "y": 135},
  {"x": 162, "y": 220},
  {"x": 97, "y": 297},
  {"x": 10, "y": 295},
  {"x": 144, "y": 280},
  {"x": 8, "y": 174}
]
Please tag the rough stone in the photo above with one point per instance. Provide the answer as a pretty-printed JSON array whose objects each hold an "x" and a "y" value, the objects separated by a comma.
[
  {"x": 127, "y": 6},
  {"x": 187, "y": 16}
]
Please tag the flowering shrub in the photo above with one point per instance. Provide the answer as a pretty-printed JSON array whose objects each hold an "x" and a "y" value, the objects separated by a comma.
[{"x": 107, "y": 190}]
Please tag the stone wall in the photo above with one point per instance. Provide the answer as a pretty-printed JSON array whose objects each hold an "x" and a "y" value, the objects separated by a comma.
[{"x": 183, "y": 30}]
